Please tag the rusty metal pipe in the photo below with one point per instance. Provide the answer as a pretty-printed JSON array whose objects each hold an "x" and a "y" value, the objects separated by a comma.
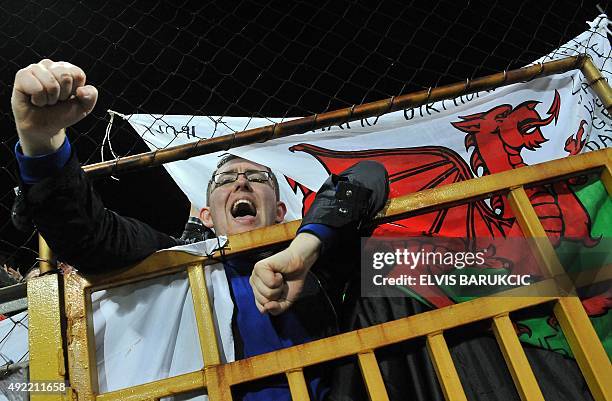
[
  {"x": 354, "y": 113},
  {"x": 45, "y": 256},
  {"x": 598, "y": 83}
]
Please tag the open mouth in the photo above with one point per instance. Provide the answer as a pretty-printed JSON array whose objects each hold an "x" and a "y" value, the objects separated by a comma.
[{"x": 243, "y": 208}]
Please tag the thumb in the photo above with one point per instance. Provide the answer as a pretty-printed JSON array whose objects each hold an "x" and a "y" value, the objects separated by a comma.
[
  {"x": 87, "y": 96},
  {"x": 268, "y": 272}
]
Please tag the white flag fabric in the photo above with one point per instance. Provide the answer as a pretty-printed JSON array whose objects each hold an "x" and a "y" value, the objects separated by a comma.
[{"x": 147, "y": 331}]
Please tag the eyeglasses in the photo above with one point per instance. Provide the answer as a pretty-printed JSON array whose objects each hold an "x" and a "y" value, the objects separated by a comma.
[{"x": 251, "y": 175}]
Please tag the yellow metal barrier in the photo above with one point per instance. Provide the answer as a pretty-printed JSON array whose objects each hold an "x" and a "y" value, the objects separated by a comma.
[
  {"x": 445, "y": 370},
  {"x": 516, "y": 360},
  {"x": 203, "y": 313},
  {"x": 218, "y": 378},
  {"x": 45, "y": 335},
  {"x": 297, "y": 385},
  {"x": 47, "y": 349},
  {"x": 371, "y": 376}
]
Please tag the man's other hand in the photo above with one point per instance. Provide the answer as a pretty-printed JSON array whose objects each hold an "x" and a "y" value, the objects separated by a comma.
[
  {"x": 277, "y": 281},
  {"x": 48, "y": 97}
]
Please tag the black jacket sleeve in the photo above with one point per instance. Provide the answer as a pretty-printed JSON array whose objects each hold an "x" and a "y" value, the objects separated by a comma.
[
  {"x": 347, "y": 203},
  {"x": 80, "y": 230}
]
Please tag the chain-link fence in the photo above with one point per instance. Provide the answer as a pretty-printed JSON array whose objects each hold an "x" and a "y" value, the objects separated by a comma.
[{"x": 254, "y": 59}]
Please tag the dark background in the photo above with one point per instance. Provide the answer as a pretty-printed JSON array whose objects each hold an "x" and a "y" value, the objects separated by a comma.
[{"x": 251, "y": 58}]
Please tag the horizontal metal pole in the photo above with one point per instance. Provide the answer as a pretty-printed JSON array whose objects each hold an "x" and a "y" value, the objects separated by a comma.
[
  {"x": 13, "y": 292},
  {"x": 354, "y": 113},
  {"x": 16, "y": 305},
  {"x": 157, "y": 389},
  {"x": 11, "y": 367}
]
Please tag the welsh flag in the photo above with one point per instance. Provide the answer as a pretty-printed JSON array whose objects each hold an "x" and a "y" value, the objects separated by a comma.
[{"x": 446, "y": 142}]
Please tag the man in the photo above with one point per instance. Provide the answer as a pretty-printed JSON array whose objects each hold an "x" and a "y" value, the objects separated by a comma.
[{"x": 242, "y": 195}]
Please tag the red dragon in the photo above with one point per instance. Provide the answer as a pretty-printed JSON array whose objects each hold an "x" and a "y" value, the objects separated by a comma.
[{"x": 496, "y": 137}]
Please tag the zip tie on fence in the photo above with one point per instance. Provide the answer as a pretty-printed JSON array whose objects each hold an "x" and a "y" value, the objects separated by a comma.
[
  {"x": 51, "y": 262},
  {"x": 428, "y": 95},
  {"x": 540, "y": 71},
  {"x": 350, "y": 116},
  {"x": 111, "y": 112},
  {"x": 387, "y": 111},
  {"x": 608, "y": 25},
  {"x": 467, "y": 85}
]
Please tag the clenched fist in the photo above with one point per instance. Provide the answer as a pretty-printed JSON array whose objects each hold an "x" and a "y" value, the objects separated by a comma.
[
  {"x": 48, "y": 97},
  {"x": 277, "y": 281}
]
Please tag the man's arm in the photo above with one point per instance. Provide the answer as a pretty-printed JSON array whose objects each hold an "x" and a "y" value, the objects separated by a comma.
[
  {"x": 341, "y": 211},
  {"x": 47, "y": 97}
]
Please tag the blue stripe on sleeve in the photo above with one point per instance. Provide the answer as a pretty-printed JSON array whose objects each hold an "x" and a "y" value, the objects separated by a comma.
[
  {"x": 35, "y": 168},
  {"x": 325, "y": 233}
]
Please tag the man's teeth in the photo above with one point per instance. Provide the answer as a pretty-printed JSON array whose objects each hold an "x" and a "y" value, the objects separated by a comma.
[
  {"x": 240, "y": 201},
  {"x": 243, "y": 207}
]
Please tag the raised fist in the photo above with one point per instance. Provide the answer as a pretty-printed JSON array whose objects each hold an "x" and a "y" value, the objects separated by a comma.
[
  {"x": 277, "y": 281},
  {"x": 48, "y": 97}
]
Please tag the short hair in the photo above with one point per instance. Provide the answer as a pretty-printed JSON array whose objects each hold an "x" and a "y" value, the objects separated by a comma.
[{"x": 228, "y": 158}]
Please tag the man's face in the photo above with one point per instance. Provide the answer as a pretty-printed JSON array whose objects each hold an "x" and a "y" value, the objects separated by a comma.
[{"x": 241, "y": 205}]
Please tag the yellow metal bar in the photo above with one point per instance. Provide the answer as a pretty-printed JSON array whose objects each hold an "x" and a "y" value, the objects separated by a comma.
[
  {"x": 80, "y": 338},
  {"x": 445, "y": 369},
  {"x": 598, "y": 83},
  {"x": 378, "y": 336},
  {"x": 459, "y": 192},
  {"x": 606, "y": 178},
  {"x": 167, "y": 262},
  {"x": 511, "y": 348},
  {"x": 532, "y": 228},
  {"x": 204, "y": 316},
  {"x": 157, "y": 389},
  {"x": 217, "y": 383},
  {"x": 297, "y": 385},
  {"x": 585, "y": 345},
  {"x": 372, "y": 377},
  {"x": 45, "y": 256},
  {"x": 45, "y": 333}
]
